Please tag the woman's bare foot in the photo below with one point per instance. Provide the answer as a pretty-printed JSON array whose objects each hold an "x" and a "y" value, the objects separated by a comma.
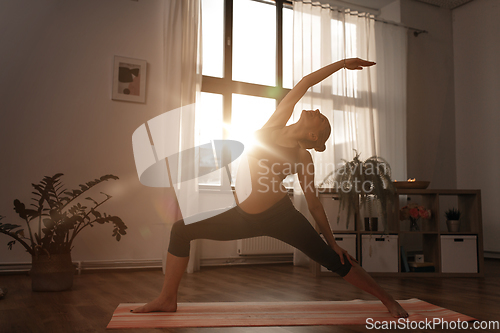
[
  {"x": 396, "y": 310},
  {"x": 157, "y": 305}
]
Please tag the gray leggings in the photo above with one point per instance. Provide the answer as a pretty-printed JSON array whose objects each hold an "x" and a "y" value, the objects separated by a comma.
[{"x": 282, "y": 221}]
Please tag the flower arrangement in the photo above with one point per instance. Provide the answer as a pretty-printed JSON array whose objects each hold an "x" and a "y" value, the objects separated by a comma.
[{"x": 413, "y": 212}]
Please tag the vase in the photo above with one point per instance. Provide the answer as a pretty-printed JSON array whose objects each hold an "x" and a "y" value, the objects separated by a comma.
[
  {"x": 414, "y": 225},
  {"x": 371, "y": 223},
  {"x": 453, "y": 225},
  {"x": 52, "y": 273}
]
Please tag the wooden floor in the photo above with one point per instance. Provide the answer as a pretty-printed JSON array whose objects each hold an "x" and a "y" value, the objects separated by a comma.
[{"x": 95, "y": 295}]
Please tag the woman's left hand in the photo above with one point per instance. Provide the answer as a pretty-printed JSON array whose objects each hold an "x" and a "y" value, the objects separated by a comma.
[
  {"x": 357, "y": 63},
  {"x": 341, "y": 252}
]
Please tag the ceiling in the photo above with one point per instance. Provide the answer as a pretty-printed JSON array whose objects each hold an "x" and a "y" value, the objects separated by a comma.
[
  {"x": 450, "y": 4},
  {"x": 377, "y": 4}
]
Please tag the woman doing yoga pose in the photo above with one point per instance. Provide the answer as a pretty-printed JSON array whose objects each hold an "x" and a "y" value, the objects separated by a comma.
[{"x": 267, "y": 210}]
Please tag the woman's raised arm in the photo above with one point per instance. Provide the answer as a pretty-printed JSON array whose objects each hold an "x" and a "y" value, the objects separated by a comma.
[{"x": 285, "y": 108}]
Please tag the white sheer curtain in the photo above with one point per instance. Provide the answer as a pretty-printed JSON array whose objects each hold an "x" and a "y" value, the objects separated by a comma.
[
  {"x": 367, "y": 109},
  {"x": 182, "y": 59}
]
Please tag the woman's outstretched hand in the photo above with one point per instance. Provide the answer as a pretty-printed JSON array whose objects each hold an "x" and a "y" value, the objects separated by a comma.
[
  {"x": 341, "y": 252},
  {"x": 356, "y": 63}
]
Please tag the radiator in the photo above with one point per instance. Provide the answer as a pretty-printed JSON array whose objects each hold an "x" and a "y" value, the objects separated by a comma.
[{"x": 262, "y": 245}]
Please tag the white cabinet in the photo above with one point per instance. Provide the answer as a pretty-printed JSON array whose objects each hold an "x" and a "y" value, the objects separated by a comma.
[
  {"x": 459, "y": 254},
  {"x": 331, "y": 204},
  {"x": 379, "y": 253}
]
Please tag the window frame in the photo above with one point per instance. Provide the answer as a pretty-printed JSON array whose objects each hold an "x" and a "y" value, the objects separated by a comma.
[{"x": 226, "y": 86}]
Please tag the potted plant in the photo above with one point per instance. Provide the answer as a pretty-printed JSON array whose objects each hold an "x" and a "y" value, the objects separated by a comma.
[
  {"x": 57, "y": 218},
  {"x": 452, "y": 219},
  {"x": 360, "y": 182}
]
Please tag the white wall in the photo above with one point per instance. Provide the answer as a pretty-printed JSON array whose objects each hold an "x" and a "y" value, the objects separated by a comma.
[
  {"x": 391, "y": 12},
  {"x": 430, "y": 95},
  {"x": 57, "y": 114},
  {"x": 476, "y": 28}
]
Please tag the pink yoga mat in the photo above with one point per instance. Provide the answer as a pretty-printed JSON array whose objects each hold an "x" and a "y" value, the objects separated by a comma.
[{"x": 233, "y": 314}]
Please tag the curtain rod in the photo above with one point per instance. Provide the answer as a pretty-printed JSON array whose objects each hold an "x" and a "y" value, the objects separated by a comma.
[
  {"x": 416, "y": 31},
  {"x": 346, "y": 10}
]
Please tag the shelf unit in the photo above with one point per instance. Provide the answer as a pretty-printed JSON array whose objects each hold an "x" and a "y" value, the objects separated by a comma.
[{"x": 429, "y": 240}]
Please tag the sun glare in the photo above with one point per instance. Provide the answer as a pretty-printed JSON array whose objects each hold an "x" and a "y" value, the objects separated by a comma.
[{"x": 249, "y": 114}]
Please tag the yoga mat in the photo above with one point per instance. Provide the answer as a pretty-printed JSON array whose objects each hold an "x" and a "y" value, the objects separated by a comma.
[{"x": 234, "y": 314}]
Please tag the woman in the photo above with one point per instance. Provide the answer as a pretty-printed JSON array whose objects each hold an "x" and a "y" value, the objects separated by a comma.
[{"x": 266, "y": 208}]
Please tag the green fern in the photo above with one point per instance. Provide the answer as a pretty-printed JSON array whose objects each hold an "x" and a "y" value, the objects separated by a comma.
[{"x": 363, "y": 183}]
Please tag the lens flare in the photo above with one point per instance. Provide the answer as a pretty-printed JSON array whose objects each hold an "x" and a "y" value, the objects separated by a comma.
[{"x": 167, "y": 208}]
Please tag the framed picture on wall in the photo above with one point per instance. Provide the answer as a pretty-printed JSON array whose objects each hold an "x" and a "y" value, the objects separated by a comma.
[{"x": 129, "y": 80}]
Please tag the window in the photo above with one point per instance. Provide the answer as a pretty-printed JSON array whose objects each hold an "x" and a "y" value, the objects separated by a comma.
[
  {"x": 247, "y": 68},
  {"x": 208, "y": 127},
  {"x": 247, "y": 63}
]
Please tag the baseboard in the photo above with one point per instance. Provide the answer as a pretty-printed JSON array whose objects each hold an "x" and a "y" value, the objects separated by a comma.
[
  {"x": 17, "y": 267},
  {"x": 248, "y": 260},
  {"x": 90, "y": 265},
  {"x": 492, "y": 254}
]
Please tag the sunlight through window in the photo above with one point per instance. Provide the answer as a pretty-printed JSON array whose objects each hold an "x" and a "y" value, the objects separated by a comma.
[
  {"x": 254, "y": 42},
  {"x": 208, "y": 127},
  {"x": 213, "y": 37},
  {"x": 249, "y": 115},
  {"x": 338, "y": 52},
  {"x": 287, "y": 48}
]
